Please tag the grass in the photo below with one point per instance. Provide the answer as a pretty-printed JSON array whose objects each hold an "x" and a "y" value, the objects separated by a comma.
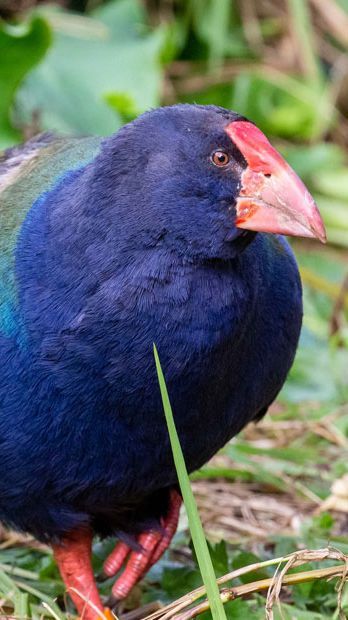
[{"x": 198, "y": 538}]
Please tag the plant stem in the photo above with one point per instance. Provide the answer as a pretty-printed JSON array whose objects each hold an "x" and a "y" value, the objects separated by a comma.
[{"x": 196, "y": 529}]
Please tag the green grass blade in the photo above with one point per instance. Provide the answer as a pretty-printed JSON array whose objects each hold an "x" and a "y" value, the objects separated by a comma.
[
  {"x": 299, "y": 11},
  {"x": 20, "y": 601},
  {"x": 41, "y": 596},
  {"x": 196, "y": 529}
]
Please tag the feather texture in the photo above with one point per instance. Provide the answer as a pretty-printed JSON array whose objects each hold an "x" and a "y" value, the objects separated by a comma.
[
  {"x": 25, "y": 174},
  {"x": 108, "y": 246}
]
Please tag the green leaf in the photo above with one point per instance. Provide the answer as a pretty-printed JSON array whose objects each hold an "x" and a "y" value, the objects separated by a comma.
[
  {"x": 313, "y": 159},
  {"x": 235, "y": 610},
  {"x": 212, "y": 23},
  {"x": 292, "y": 613},
  {"x": 317, "y": 374},
  {"x": 124, "y": 105},
  {"x": 243, "y": 559},
  {"x": 92, "y": 58},
  {"x": 333, "y": 183},
  {"x": 217, "y": 24},
  {"x": 281, "y": 105},
  {"x": 324, "y": 522},
  {"x": 219, "y": 558},
  {"x": 178, "y": 581},
  {"x": 196, "y": 529},
  {"x": 21, "y": 48}
]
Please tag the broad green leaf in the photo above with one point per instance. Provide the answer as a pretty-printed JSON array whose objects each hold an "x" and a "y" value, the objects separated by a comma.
[
  {"x": 243, "y": 558},
  {"x": 290, "y": 612},
  {"x": 237, "y": 610},
  {"x": 178, "y": 581},
  {"x": 124, "y": 18},
  {"x": 21, "y": 48},
  {"x": 313, "y": 159},
  {"x": 318, "y": 374},
  {"x": 330, "y": 266},
  {"x": 333, "y": 183},
  {"x": 90, "y": 59}
]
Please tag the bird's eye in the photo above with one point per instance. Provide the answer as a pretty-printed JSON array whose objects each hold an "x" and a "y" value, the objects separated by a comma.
[{"x": 220, "y": 158}]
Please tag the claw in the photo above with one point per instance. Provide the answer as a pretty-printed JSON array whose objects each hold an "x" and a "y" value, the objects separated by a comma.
[
  {"x": 107, "y": 614},
  {"x": 112, "y": 603}
]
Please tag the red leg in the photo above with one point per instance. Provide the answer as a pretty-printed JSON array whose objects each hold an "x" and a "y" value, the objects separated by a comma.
[
  {"x": 153, "y": 544},
  {"x": 73, "y": 557}
]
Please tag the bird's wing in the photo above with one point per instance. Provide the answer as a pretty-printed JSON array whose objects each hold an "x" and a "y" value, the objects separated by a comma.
[{"x": 26, "y": 172}]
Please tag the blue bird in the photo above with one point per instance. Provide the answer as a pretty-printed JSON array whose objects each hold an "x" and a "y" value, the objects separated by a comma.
[{"x": 155, "y": 234}]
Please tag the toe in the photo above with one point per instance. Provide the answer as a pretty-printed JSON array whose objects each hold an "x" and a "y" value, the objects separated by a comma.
[
  {"x": 170, "y": 524},
  {"x": 137, "y": 565},
  {"x": 152, "y": 545},
  {"x": 115, "y": 560}
]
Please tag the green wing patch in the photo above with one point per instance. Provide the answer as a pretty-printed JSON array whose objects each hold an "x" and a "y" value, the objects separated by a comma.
[{"x": 25, "y": 173}]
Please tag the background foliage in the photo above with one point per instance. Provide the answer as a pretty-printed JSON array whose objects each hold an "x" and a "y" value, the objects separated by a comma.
[{"x": 88, "y": 66}]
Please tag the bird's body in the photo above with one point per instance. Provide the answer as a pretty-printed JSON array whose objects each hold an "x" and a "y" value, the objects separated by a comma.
[{"x": 99, "y": 260}]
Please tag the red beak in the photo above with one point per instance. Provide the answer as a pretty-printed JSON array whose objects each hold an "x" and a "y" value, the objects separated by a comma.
[{"x": 272, "y": 197}]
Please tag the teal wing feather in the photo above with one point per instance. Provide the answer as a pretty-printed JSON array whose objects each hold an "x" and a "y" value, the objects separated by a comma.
[{"x": 26, "y": 172}]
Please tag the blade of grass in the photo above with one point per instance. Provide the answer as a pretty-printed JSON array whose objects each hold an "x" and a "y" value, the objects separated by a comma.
[
  {"x": 302, "y": 27},
  {"x": 299, "y": 12},
  {"x": 20, "y": 601},
  {"x": 196, "y": 529},
  {"x": 19, "y": 572},
  {"x": 41, "y": 596}
]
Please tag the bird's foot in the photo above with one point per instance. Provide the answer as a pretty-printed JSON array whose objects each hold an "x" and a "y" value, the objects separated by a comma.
[
  {"x": 152, "y": 545},
  {"x": 73, "y": 556}
]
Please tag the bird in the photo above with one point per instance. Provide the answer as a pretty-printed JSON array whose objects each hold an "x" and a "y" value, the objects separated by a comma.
[{"x": 170, "y": 231}]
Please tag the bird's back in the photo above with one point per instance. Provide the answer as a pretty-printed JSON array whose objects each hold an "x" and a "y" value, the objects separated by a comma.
[{"x": 26, "y": 173}]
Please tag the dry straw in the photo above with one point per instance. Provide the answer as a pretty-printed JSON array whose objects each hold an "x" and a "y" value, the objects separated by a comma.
[{"x": 184, "y": 608}]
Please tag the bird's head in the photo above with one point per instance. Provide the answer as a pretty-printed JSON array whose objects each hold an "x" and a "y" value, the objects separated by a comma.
[{"x": 202, "y": 177}]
